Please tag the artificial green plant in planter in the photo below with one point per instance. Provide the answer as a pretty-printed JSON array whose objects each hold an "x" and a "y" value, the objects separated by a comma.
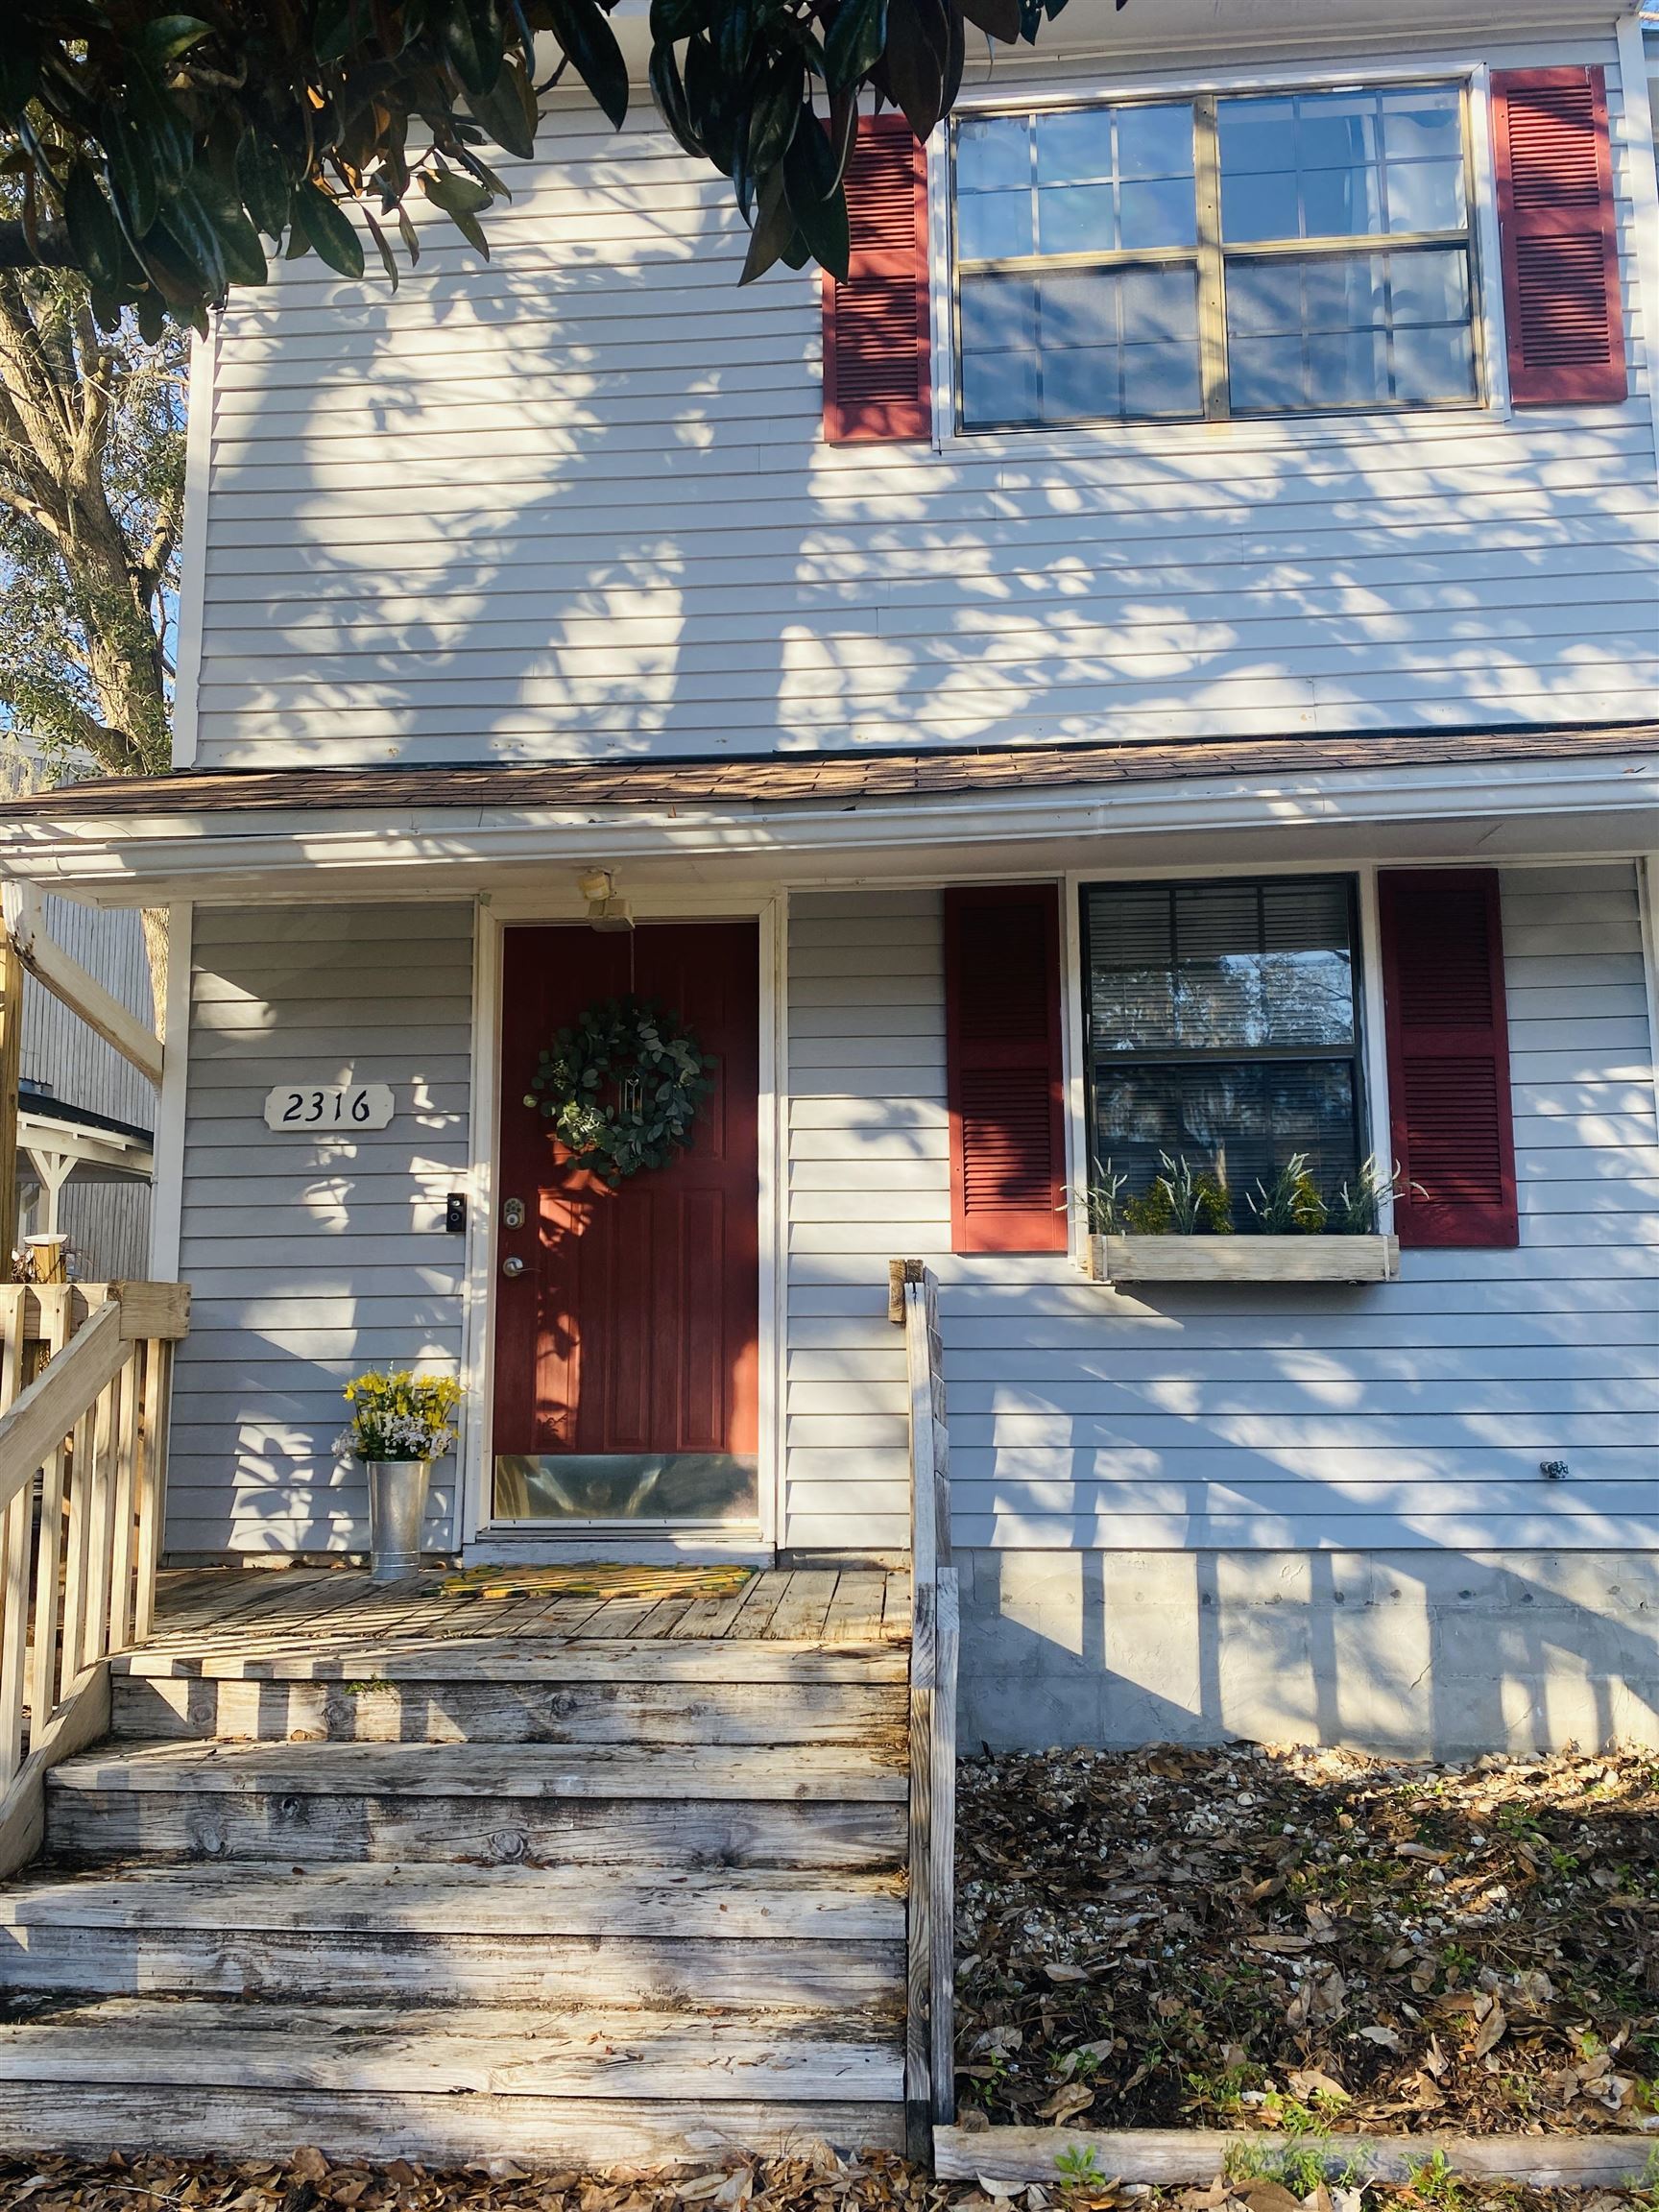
[{"x": 399, "y": 1424}]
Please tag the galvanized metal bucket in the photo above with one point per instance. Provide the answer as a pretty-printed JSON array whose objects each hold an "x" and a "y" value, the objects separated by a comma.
[{"x": 396, "y": 1510}]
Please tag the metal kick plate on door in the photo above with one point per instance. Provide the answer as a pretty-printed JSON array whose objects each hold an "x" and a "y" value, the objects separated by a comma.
[{"x": 512, "y": 1214}]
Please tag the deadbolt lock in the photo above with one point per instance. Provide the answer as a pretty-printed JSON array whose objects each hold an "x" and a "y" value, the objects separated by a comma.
[{"x": 512, "y": 1214}]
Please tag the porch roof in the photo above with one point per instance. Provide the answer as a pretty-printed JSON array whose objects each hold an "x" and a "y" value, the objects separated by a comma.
[
  {"x": 793, "y": 778},
  {"x": 274, "y": 833}
]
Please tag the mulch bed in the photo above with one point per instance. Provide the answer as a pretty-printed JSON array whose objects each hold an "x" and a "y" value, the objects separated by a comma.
[{"x": 1308, "y": 1941}]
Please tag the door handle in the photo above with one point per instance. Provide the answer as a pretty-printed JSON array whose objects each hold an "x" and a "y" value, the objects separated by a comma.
[{"x": 513, "y": 1267}]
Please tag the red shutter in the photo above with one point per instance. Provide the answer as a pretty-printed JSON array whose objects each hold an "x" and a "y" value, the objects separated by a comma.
[
  {"x": 877, "y": 383},
  {"x": 1448, "y": 1056},
  {"x": 1559, "y": 228},
  {"x": 1002, "y": 1053}
]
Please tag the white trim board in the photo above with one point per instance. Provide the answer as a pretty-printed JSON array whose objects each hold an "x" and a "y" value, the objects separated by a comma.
[{"x": 167, "y": 1195}]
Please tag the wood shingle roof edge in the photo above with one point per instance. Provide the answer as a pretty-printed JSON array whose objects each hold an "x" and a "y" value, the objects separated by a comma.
[{"x": 839, "y": 779}]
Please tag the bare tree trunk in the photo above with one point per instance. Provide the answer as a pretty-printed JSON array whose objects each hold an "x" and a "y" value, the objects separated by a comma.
[{"x": 159, "y": 952}]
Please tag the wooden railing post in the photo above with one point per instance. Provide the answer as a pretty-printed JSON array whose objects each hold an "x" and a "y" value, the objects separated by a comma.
[
  {"x": 90, "y": 1426},
  {"x": 930, "y": 2057}
]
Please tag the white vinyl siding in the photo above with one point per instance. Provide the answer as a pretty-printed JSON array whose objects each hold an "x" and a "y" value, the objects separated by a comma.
[
  {"x": 313, "y": 1258},
  {"x": 1407, "y": 1415},
  {"x": 577, "y": 502}
]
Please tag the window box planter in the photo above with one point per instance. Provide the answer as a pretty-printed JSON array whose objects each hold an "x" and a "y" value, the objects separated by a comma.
[{"x": 1243, "y": 1259}]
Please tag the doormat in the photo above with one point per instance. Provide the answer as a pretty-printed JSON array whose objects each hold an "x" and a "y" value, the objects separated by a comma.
[{"x": 643, "y": 1583}]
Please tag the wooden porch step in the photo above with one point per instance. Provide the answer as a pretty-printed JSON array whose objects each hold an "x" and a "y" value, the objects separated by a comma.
[
  {"x": 433, "y": 1657},
  {"x": 586, "y": 1803},
  {"x": 463, "y": 1937},
  {"x": 445, "y": 2085},
  {"x": 505, "y": 1707}
]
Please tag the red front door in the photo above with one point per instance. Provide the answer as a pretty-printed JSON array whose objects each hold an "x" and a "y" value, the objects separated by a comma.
[{"x": 627, "y": 1348}]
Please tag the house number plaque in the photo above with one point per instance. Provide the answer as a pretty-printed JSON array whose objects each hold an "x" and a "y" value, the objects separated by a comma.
[{"x": 317, "y": 1107}]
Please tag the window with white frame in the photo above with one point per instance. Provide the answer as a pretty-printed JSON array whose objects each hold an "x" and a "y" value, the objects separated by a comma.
[
  {"x": 1222, "y": 1032},
  {"x": 1246, "y": 254}
]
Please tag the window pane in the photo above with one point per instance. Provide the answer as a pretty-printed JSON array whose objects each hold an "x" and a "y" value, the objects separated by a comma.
[
  {"x": 998, "y": 312},
  {"x": 1341, "y": 203},
  {"x": 1075, "y": 219},
  {"x": 1341, "y": 165},
  {"x": 1241, "y": 1120},
  {"x": 1259, "y": 205},
  {"x": 1080, "y": 310},
  {"x": 1000, "y": 388},
  {"x": 1159, "y": 303},
  {"x": 1434, "y": 363},
  {"x": 1254, "y": 134},
  {"x": 993, "y": 153},
  {"x": 1420, "y": 122},
  {"x": 1160, "y": 211},
  {"x": 1074, "y": 147},
  {"x": 1199, "y": 968},
  {"x": 1431, "y": 286},
  {"x": 1080, "y": 383},
  {"x": 1160, "y": 379},
  {"x": 1426, "y": 196},
  {"x": 993, "y": 226},
  {"x": 1350, "y": 330},
  {"x": 1155, "y": 141}
]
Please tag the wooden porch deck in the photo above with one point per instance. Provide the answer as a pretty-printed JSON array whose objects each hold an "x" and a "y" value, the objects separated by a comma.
[{"x": 221, "y": 1614}]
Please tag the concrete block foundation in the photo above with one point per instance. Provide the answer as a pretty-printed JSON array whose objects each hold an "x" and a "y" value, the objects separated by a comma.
[{"x": 1421, "y": 1653}]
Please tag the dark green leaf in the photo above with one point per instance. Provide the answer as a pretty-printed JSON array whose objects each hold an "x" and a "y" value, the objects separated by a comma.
[
  {"x": 132, "y": 177},
  {"x": 668, "y": 90},
  {"x": 455, "y": 194},
  {"x": 734, "y": 35},
  {"x": 19, "y": 77},
  {"x": 713, "y": 117},
  {"x": 152, "y": 313},
  {"x": 162, "y": 131},
  {"x": 262, "y": 180},
  {"x": 410, "y": 236},
  {"x": 918, "y": 59},
  {"x": 387, "y": 260},
  {"x": 508, "y": 110},
  {"x": 474, "y": 39},
  {"x": 164, "y": 38},
  {"x": 774, "y": 227},
  {"x": 772, "y": 118},
  {"x": 855, "y": 40},
  {"x": 581, "y": 29},
  {"x": 94, "y": 234},
  {"x": 675, "y": 19},
  {"x": 447, "y": 190},
  {"x": 332, "y": 29},
  {"x": 329, "y": 230},
  {"x": 997, "y": 18},
  {"x": 816, "y": 201}
]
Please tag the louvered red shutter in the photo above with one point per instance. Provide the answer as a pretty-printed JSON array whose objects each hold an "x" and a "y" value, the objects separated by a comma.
[
  {"x": 877, "y": 382},
  {"x": 1558, "y": 224},
  {"x": 1448, "y": 1039},
  {"x": 1003, "y": 1054}
]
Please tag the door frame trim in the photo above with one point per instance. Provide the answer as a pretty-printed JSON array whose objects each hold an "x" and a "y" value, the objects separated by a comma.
[{"x": 495, "y": 913}]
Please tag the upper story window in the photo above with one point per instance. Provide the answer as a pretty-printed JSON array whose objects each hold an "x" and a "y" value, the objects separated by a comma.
[{"x": 1222, "y": 255}]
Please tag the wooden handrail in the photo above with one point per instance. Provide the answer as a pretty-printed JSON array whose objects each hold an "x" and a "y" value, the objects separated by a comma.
[
  {"x": 930, "y": 2038},
  {"x": 84, "y": 1372}
]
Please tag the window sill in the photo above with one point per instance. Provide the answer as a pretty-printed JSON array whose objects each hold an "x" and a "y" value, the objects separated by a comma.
[{"x": 1243, "y": 1259}]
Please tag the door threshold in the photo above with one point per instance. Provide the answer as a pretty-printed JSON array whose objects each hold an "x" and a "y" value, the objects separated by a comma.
[{"x": 694, "y": 1546}]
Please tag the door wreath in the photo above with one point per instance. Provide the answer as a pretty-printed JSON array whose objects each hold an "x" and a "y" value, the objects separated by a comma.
[{"x": 622, "y": 1087}]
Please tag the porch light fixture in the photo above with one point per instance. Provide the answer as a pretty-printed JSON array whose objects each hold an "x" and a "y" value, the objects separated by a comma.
[{"x": 605, "y": 910}]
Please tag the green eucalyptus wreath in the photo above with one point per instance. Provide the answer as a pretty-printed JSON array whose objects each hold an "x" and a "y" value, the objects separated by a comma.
[{"x": 622, "y": 1087}]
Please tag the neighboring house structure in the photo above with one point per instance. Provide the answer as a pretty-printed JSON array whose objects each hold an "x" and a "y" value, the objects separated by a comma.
[{"x": 1160, "y": 667}]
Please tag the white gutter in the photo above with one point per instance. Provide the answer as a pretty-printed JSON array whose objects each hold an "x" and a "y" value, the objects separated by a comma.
[{"x": 107, "y": 855}]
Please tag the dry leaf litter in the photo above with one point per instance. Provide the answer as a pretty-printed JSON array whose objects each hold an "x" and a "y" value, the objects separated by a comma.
[
  {"x": 1307, "y": 1940},
  {"x": 816, "y": 2180}
]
